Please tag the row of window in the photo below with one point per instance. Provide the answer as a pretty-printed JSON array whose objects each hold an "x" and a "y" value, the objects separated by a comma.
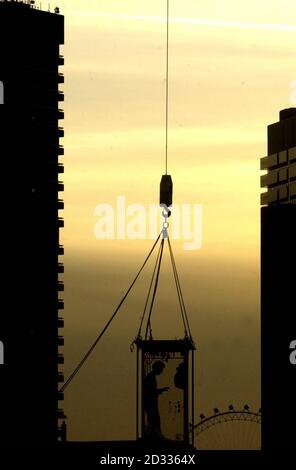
[
  {"x": 279, "y": 176},
  {"x": 285, "y": 157},
  {"x": 280, "y": 194}
]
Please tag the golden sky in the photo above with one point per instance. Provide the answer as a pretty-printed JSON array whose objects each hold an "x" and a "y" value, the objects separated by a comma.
[{"x": 231, "y": 66}]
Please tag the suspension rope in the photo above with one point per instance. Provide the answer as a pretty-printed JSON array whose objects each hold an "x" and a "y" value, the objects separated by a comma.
[
  {"x": 88, "y": 353},
  {"x": 179, "y": 298},
  {"x": 154, "y": 290},
  {"x": 167, "y": 90},
  {"x": 178, "y": 284},
  {"x": 179, "y": 290},
  {"x": 149, "y": 291},
  {"x": 155, "y": 279}
]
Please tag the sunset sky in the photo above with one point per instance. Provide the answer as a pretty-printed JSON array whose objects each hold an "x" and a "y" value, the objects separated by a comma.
[{"x": 231, "y": 67}]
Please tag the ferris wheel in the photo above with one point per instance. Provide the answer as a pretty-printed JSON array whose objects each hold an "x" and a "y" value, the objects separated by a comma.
[{"x": 229, "y": 430}]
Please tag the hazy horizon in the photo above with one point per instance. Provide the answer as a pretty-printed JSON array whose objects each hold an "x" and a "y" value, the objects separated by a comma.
[{"x": 230, "y": 73}]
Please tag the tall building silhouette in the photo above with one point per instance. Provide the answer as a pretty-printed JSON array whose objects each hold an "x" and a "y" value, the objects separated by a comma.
[
  {"x": 30, "y": 152},
  {"x": 278, "y": 296}
]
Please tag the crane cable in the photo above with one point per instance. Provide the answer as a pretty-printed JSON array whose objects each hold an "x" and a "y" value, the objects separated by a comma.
[
  {"x": 167, "y": 88},
  {"x": 90, "y": 350}
]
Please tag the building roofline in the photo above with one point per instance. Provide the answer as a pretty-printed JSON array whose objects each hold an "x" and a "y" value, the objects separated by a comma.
[{"x": 28, "y": 4}]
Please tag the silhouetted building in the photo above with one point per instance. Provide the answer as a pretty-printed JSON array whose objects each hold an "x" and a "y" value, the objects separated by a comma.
[
  {"x": 278, "y": 296},
  {"x": 30, "y": 150}
]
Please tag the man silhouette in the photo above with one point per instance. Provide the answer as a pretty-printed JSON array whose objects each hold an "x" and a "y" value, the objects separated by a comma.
[{"x": 150, "y": 400}]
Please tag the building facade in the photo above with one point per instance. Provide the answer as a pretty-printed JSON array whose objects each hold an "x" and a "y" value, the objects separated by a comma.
[
  {"x": 30, "y": 130},
  {"x": 278, "y": 274}
]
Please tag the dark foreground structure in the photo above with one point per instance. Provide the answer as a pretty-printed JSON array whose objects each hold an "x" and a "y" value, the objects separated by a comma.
[
  {"x": 278, "y": 274},
  {"x": 30, "y": 150}
]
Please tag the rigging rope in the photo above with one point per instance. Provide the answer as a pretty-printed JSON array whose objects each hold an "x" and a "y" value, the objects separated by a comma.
[
  {"x": 154, "y": 279},
  {"x": 154, "y": 291},
  {"x": 179, "y": 290},
  {"x": 149, "y": 292},
  {"x": 88, "y": 353}
]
